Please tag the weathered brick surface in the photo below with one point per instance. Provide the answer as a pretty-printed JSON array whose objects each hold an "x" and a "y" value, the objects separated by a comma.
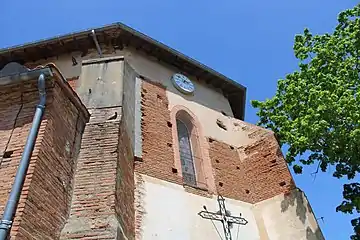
[
  {"x": 45, "y": 197},
  {"x": 158, "y": 156},
  {"x": 156, "y": 127},
  {"x": 104, "y": 114},
  {"x": 15, "y": 124},
  {"x": 140, "y": 211},
  {"x": 251, "y": 173},
  {"x": 93, "y": 202},
  {"x": 125, "y": 185},
  {"x": 103, "y": 198},
  {"x": 259, "y": 173}
]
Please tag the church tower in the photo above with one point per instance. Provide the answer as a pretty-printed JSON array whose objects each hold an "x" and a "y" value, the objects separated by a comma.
[{"x": 137, "y": 141}]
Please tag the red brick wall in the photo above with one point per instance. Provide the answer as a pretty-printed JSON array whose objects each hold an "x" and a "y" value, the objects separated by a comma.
[
  {"x": 93, "y": 198},
  {"x": 260, "y": 174},
  {"x": 103, "y": 198},
  {"x": 16, "y": 112},
  {"x": 45, "y": 197},
  {"x": 139, "y": 204},
  {"x": 158, "y": 156},
  {"x": 124, "y": 198},
  {"x": 157, "y": 141}
]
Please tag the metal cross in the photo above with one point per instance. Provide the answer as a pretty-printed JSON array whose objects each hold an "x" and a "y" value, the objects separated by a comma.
[{"x": 224, "y": 216}]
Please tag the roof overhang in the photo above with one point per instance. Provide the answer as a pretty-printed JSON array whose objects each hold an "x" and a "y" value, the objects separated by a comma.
[{"x": 119, "y": 36}]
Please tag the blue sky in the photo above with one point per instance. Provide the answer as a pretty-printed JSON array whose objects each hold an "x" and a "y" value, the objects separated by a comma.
[{"x": 249, "y": 41}]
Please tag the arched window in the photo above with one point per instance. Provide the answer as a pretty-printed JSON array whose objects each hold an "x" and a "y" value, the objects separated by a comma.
[
  {"x": 186, "y": 153},
  {"x": 191, "y": 158}
]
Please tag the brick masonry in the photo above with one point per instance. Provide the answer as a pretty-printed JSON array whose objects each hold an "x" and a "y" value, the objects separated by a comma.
[
  {"x": 158, "y": 156},
  {"x": 259, "y": 173},
  {"x": 45, "y": 198},
  {"x": 103, "y": 200},
  {"x": 15, "y": 121},
  {"x": 125, "y": 185},
  {"x": 92, "y": 211},
  {"x": 251, "y": 173},
  {"x": 157, "y": 146},
  {"x": 139, "y": 204}
]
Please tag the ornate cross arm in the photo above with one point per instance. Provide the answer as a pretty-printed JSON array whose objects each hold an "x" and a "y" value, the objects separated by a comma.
[
  {"x": 210, "y": 215},
  {"x": 230, "y": 219},
  {"x": 237, "y": 220}
]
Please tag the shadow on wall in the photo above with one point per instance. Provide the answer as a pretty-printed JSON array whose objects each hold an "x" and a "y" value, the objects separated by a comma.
[
  {"x": 17, "y": 109},
  {"x": 303, "y": 209},
  {"x": 296, "y": 198},
  {"x": 311, "y": 235}
]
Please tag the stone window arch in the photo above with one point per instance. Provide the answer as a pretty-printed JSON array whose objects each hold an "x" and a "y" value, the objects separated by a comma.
[{"x": 190, "y": 153}]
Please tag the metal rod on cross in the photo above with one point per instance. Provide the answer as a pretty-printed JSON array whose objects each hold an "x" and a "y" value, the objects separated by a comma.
[{"x": 224, "y": 216}]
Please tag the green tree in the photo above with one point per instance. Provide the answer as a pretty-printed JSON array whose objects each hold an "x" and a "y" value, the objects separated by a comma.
[{"x": 316, "y": 110}]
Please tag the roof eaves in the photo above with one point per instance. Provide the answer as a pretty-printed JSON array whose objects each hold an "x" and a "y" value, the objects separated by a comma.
[
  {"x": 53, "y": 39},
  {"x": 133, "y": 32},
  {"x": 180, "y": 55}
]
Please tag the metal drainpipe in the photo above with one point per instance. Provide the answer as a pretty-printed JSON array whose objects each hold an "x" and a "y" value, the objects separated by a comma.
[
  {"x": 11, "y": 205},
  {"x": 96, "y": 43}
]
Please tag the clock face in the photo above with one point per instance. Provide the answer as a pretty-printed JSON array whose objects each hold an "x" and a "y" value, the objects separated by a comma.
[{"x": 183, "y": 84}]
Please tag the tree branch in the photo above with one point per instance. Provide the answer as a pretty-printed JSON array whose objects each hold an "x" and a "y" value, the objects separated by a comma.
[{"x": 316, "y": 172}]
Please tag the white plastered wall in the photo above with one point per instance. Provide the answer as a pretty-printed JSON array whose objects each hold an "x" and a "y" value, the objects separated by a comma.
[
  {"x": 169, "y": 212},
  {"x": 172, "y": 213}
]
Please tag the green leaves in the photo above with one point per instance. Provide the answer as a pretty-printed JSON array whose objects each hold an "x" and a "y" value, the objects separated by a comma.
[
  {"x": 317, "y": 109},
  {"x": 297, "y": 169},
  {"x": 356, "y": 224}
]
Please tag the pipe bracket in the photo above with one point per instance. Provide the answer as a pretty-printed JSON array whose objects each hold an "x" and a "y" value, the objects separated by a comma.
[
  {"x": 5, "y": 224},
  {"x": 40, "y": 106}
]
